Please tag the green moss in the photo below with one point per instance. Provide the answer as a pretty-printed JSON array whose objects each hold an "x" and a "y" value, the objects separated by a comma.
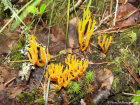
[
  {"x": 57, "y": 103},
  {"x": 1, "y": 63},
  {"x": 76, "y": 88},
  {"x": 118, "y": 97},
  {"x": 40, "y": 101},
  {"x": 89, "y": 77},
  {"x": 115, "y": 85},
  {"x": 89, "y": 90},
  {"x": 15, "y": 54},
  {"x": 22, "y": 95},
  {"x": 136, "y": 99},
  {"x": 27, "y": 98}
]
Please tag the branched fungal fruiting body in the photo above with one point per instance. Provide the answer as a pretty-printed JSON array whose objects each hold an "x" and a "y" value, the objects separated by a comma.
[
  {"x": 105, "y": 43},
  {"x": 81, "y": 30},
  {"x": 34, "y": 53},
  {"x": 73, "y": 69}
]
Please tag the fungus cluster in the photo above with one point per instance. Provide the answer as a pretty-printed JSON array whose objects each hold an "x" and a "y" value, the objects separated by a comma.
[
  {"x": 34, "y": 53},
  {"x": 81, "y": 29},
  {"x": 73, "y": 70},
  {"x": 105, "y": 43}
]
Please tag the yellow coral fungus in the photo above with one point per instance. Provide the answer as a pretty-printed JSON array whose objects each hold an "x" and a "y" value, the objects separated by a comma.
[
  {"x": 34, "y": 53},
  {"x": 56, "y": 74},
  {"x": 73, "y": 69},
  {"x": 81, "y": 30},
  {"x": 76, "y": 67},
  {"x": 55, "y": 71},
  {"x": 105, "y": 44},
  {"x": 43, "y": 57}
]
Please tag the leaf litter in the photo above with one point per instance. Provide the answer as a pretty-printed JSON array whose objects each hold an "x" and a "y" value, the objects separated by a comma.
[{"x": 104, "y": 78}]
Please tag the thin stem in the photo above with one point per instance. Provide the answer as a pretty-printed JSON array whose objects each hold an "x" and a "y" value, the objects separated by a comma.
[
  {"x": 22, "y": 16},
  {"x": 115, "y": 13},
  {"x": 14, "y": 16}
]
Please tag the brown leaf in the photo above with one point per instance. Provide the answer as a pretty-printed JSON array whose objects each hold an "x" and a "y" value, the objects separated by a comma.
[
  {"x": 123, "y": 1},
  {"x": 72, "y": 40},
  {"x": 3, "y": 96},
  {"x": 105, "y": 78},
  {"x": 75, "y": 51},
  {"x": 56, "y": 38},
  {"x": 59, "y": 33},
  {"x": 15, "y": 92},
  {"x": 6, "y": 75},
  {"x": 52, "y": 86},
  {"x": 2, "y": 87},
  {"x": 53, "y": 38},
  {"x": 69, "y": 50},
  {"x": 125, "y": 10},
  {"x": 1, "y": 84},
  {"x": 6, "y": 42},
  {"x": 1, "y": 80},
  {"x": 102, "y": 55},
  {"x": 51, "y": 96},
  {"x": 131, "y": 1}
]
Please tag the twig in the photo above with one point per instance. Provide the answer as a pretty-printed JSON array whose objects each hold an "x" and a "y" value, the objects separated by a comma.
[
  {"x": 98, "y": 63},
  {"x": 130, "y": 71},
  {"x": 76, "y": 5},
  {"x": 19, "y": 61},
  {"x": 134, "y": 91},
  {"x": 111, "y": 6},
  {"x": 114, "y": 29},
  {"x": 9, "y": 81},
  {"x": 115, "y": 13},
  {"x": 104, "y": 12},
  {"x": 130, "y": 94},
  {"x": 103, "y": 21}
]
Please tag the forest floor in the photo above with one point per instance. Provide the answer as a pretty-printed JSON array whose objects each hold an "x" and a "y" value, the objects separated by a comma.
[{"x": 110, "y": 77}]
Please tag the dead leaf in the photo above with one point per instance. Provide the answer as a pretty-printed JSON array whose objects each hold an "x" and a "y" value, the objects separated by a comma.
[
  {"x": 69, "y": 50},
  {"x": 124, "y": 17},
  {"x": 123, "y": 1},
  {"x": 72, "y": 40},
  {"x": 1, "y": 80},
  {"x": 6, "y": 42},
  {"x": 6, "y": 75},
  {"x": 52, "y": 86},
  {"x": 2, "y": 87},
  {"x": 131, "y": 0},
  {"x": 102, "y": 55},
  {"x": 15, "y": 92},
  {"x": 56, "y": 38},
  {"x": 51, "y": 96},
  {"x": 75, "y": 51},
  {"x": 3, "y": 96},
  {"x": 104, "y": 78}
]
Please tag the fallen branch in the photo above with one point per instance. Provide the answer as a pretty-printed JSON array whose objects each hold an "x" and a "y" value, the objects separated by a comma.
[
  {"x": 91, "y": 63},
  {"x": 130, "y": 94},
  {"x": 117, "y": 29},
  {"x": 9, "y": 81}
]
